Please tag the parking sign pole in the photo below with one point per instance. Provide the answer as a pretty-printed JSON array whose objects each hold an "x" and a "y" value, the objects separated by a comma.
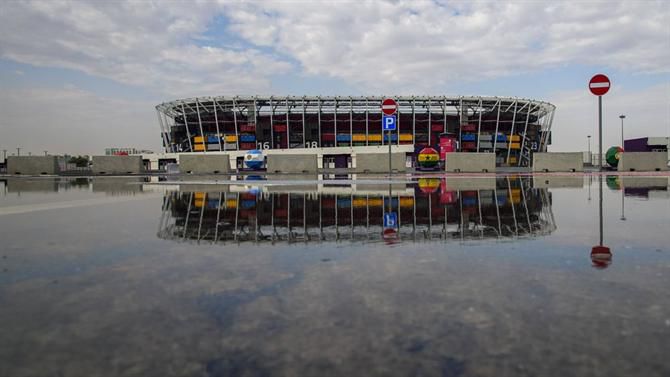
[{"x": 388, "y": 135}]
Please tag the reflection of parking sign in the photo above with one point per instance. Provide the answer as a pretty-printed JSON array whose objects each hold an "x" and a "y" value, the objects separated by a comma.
[
  {"x": 388, "y": 122},
  {"x": 390, "y": 220}
]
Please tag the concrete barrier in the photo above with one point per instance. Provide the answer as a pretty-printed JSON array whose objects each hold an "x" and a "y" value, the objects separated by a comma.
[
  {"x": 379, "y": 162},
  {"x": 558, "y": 161},
  {"x": 553, "y": 181},
  {"x": 463, "y": 162},
  {"x": 204, "y": 164},
  {"x": 643, "y": 161},
  {"x": 292, "y": 163},
  {"x": 117, "y": 165},
  {"x": 32, "y": 165}
]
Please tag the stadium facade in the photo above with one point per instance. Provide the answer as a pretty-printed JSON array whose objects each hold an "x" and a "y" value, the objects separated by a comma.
[{"x": 512, "y": 128}]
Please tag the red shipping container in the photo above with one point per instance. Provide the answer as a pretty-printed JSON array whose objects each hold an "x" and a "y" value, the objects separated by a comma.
[
  {"x": 469, "y": 145},
  {"x": 469, "y": 127},
  {"x": 328, "y": 137},
  {"x": 280, "y": 127},
  {"x": 248, "y": 128},
  {"x": 247, "y": 145},
  {"x": 437, "y": 127}
]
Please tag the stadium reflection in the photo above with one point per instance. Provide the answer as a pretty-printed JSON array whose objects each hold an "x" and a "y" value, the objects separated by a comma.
[{"x": 426, "y": 209}]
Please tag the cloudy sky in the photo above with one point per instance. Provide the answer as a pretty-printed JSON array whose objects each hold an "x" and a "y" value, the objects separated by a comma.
[{"x": 81, "y": 76}]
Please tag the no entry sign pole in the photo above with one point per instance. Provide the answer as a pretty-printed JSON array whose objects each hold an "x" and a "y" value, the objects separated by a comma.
[
  {"x": 599, "y": 85},
  {"x": 389, "y": 107}
]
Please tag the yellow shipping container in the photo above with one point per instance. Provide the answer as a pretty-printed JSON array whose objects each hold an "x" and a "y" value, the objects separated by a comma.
[
  {"x": 360, "y": 202},
  {"x": 200, "y": 196},
  {"x": 374, "y": 137},
  {"x": 512, "y": 160},
  {"x": 406, "y": 202},
  {"x": 358, "y": 137},
  {"x": 515, "y": 145},
  {"x": 514, "y": 138},
  {"x": 199, "y": 147},
  {"x": 199, "y": 139},
  {"x": 231, "y": 138},
  {"x": 199, "y": 203},
  {"x": 231, "y": 203},
  {"x": 406, "y": 137},
  {"x": 375, "y": 202}
]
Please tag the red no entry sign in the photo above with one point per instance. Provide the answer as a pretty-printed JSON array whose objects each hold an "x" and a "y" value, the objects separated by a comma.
[
  {"x": 599, "y": 85},
  {"x": 389, "y": 106}
]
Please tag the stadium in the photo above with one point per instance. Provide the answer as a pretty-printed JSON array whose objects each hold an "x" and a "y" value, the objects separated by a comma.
[{"x": 336, "y": 127}]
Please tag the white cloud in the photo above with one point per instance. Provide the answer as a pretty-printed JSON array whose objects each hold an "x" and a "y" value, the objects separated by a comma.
[
  {"x": 72, "y": 120},
  {"x": 423, "y": 45},
  {"x": 145, "y": 44}
]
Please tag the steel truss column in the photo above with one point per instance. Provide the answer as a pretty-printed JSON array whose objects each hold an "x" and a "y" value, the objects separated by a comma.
[
  {"x": 335, "y": 121},
  {"x": 413, "y": 120},
  {"x": 351, "y": 123},
  {"x": 367, "y": 121},
  {"x": 319, "y": 119},
  {"x": 272, "y": 125},
  {"x": 495, "y": 135},
  {"x": 163, "y": 132},
  {"x": 511, "y": 133},
  {"x": 304, "y": 143},
  {"x": 523, "y": 138},
  {"x": 188, "y": 133},
  {"x": 237, "y": 129},
  {"x": 288, "y": 127},
  {"x": 444, "y": 114},
  {"x": 256, "y": 119},
  {"x": 216, "y": 120},
  {"x": 202, "y": 133},
  {"x": 479, "y": 126}
]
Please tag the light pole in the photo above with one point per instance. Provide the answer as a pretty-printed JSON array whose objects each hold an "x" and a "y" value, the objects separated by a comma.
[
  {"x": 18, "y": 151},
  {"x": 588, "y": 137},
  {"x": 622, "y": 117},
  {"x": 45, "y": 152}
]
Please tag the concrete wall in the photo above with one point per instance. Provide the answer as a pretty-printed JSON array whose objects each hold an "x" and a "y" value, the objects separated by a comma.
[
  {"x": 470, "y": 183},
  {"x": 292, "y": 163},
  {"x": 643, "y": 161},
  {"x": 117, "y": 165},
  {"x": 379, "y": 162},
  {"x": 204, "y": 163},
  {"x": 32, "y": 165},
  {"x": 558, "y": 161},
  {"x": 470, "y": 162}
]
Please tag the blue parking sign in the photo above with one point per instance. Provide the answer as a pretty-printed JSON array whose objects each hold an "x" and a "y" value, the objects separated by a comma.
[
  {"x": 388, "y": 123},
  {"x": 390, "y": 220}
]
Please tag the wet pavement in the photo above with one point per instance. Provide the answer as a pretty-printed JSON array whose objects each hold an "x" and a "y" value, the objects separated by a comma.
[{"x": 482, "y": 276}]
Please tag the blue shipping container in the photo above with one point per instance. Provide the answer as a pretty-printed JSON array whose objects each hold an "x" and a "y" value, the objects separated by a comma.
[
  {"x": 469, "y": 137},
  {"x": 344, "y": 137},
  {"x": 247, "y": 138},
  {"x": 212, "y": 139}
]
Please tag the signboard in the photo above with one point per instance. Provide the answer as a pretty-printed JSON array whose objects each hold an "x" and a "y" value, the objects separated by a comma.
[
  {"x": 389, "y": 106},
  {"x": 388, "y": 123},
  {"x": 599, "y": 85}
]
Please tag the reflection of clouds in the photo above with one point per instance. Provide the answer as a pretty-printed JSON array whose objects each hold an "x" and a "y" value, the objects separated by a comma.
[{"x": 411, "y": 311}]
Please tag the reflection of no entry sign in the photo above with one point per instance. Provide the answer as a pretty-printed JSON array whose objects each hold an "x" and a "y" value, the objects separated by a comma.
[
  {"x": 389, "y": 106},
  {"x": 599, "y": 85}
]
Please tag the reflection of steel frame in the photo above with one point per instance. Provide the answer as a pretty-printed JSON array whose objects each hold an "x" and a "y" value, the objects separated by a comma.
[
  {"x": 512, "y": 210},
  {"x": 513, "y": 128}
]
